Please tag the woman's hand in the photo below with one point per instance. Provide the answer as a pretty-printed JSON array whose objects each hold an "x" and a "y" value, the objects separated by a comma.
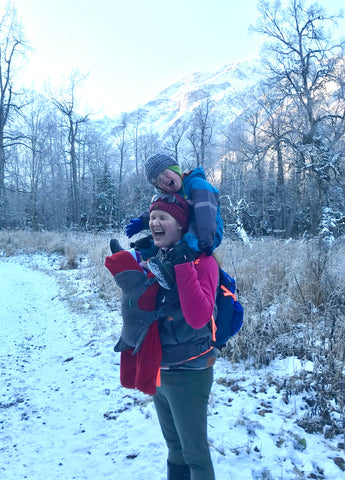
[{"x": 181, "y": 253}]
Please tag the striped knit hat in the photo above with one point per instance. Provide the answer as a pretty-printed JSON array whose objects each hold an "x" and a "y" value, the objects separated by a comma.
[{"x": 156, "y": 165}]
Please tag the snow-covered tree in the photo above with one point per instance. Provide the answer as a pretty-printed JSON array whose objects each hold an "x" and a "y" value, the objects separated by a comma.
[{"x": 305, "y": 69}]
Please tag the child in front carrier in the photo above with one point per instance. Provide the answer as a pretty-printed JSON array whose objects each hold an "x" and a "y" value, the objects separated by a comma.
[
  {"x": 139, "y": 343},
  {"x": 205, "y": 230}
]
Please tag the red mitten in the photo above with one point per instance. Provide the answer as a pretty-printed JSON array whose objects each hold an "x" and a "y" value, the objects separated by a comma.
[{"x": 121, "y": 261}]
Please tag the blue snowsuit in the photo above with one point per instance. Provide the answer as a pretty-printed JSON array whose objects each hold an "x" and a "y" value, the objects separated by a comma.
[{"x": 206, "y": 226}]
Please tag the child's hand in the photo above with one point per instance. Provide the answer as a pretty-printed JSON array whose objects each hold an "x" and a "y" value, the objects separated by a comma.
[
  {"x": 135, "y": 226},
  {"x": 207, "y": 250}
]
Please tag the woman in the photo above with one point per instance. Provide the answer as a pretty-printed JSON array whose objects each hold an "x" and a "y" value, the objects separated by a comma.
[{"x": 186, "y": 339}]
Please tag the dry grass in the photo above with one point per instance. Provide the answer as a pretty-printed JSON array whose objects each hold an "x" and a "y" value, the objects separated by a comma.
[
  {"x": 292, "y": 292},
  {"x": 73, "y": 247}
]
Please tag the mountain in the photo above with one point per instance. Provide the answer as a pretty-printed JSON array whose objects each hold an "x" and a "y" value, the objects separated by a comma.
[{"x": 175, "y": 106}]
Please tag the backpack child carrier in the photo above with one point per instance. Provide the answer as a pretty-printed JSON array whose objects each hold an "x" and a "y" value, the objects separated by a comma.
[{"x": 229, "y": 316}]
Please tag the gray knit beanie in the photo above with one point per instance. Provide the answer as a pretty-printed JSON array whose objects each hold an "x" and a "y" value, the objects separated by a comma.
[{"x": 156, "y": 165}]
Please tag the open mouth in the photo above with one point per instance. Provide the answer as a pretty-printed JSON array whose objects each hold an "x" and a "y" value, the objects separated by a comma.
[{"x": 158, "y": 234}]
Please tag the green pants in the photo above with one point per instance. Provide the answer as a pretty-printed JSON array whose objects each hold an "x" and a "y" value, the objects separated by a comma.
[{"x": 181, "y": 404}]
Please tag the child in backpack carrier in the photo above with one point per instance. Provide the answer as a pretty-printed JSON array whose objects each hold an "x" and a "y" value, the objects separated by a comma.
[{"x": 205, "y": 230}]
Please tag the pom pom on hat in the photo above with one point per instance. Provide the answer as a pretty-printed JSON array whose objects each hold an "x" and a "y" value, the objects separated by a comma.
[
  {"x": 175, "y": 205},
  {"x": 157, "y": 164}
]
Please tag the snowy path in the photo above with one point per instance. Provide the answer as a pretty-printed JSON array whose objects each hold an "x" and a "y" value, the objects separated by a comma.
[
  {"x": 64, "y": 416},
  {"x": 56, "y": 385}
]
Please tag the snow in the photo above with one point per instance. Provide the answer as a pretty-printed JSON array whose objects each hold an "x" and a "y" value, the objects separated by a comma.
[
  {"x": 64, "y": 415},
  {"x": 176, "y": 104}
]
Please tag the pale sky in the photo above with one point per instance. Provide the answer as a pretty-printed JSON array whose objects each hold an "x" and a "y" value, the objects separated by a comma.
[{"x": 133, "y": 49}]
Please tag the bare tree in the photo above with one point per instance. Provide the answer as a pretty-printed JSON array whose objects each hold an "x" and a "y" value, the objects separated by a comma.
[
  {"x": 36, "y": 123},
  {"x": 12, "y": 47},
  {"x": 201, "y": 132},
  {"x": 174, "y": 138},
  {"x": 134, "y": 133},
  {"x": 65, "y": 102},
  {"x": 121, "y": 141}
]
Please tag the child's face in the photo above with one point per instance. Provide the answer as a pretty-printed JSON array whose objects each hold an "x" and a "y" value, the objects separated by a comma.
[{"x": 169, "y": 181}]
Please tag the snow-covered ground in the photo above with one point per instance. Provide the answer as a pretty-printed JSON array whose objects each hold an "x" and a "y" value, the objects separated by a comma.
[{"x": 64, "y": 415}]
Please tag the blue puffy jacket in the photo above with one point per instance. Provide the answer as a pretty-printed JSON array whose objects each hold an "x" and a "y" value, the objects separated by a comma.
[{"x": 206, "y": 226}]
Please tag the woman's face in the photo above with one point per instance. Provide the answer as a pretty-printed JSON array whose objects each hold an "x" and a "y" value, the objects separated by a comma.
[
  {"x": 165, "y": 229},
  {"x": 169, "y": 181}
]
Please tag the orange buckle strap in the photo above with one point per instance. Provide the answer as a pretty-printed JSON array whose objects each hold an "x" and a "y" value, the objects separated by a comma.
[
  {"x": 158, "y": 378},
  {"x": 228, "y": 293}
]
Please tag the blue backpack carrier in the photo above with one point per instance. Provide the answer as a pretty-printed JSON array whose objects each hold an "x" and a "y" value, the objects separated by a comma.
[{"x": 229, "y": 318}]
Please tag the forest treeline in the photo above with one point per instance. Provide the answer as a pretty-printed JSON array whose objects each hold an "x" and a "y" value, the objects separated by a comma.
[{"x": 279, "y": 165}]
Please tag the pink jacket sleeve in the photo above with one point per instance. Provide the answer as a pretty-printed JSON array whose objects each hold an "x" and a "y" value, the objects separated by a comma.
[{"x": 197, "y": 284}]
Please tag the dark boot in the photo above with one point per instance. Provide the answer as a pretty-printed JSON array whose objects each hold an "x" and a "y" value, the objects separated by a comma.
[
  {"x": 178, "y": 472},
  {"x": 115, "y": 246},
  {"x": 142, "y": 243},
  {"x": 163, "y": 271}
]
